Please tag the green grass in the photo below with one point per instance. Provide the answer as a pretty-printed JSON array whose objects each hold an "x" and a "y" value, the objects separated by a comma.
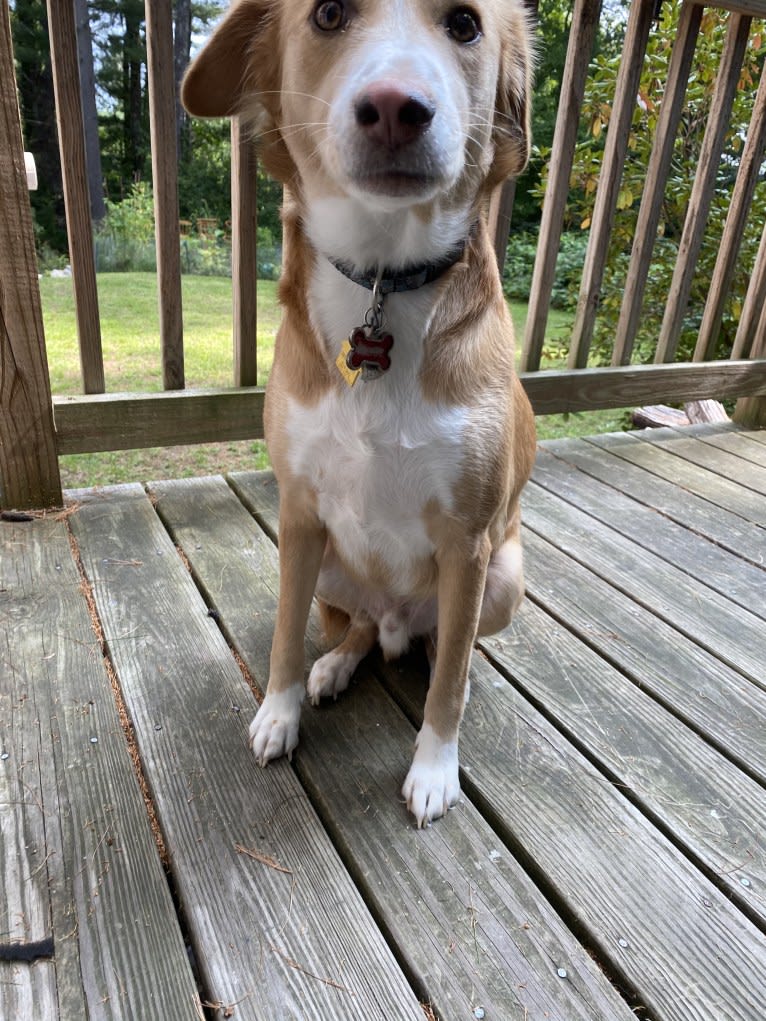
[{"x": 130, "y": 336}]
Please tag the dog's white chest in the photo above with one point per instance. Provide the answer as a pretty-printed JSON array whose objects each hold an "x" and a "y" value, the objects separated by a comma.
[{"x": 378, "y": 459}]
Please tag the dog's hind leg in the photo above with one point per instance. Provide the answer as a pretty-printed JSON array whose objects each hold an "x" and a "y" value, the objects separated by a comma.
[{"x": 332, "y": 672}]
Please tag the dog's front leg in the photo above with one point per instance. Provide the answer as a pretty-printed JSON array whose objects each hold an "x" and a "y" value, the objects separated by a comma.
[
  {"x": 274, "y": 731},
  {"x": 433, "y": 783}
]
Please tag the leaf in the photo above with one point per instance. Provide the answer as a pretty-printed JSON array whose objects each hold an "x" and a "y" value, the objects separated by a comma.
[{"x": 585, "y": 223}]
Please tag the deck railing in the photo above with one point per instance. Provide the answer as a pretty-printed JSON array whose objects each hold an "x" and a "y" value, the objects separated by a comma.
[{"x": 36, "y": 427}]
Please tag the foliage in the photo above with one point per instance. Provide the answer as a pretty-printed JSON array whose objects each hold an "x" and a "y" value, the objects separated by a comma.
[
  {"x": 596, "y": 116},
  {"x": 520, "y": 260}
]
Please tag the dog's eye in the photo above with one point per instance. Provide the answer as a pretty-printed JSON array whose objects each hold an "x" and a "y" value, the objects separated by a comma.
[
  {"x": 463, "y": 25},
  {"x": 329, "y": 15}
]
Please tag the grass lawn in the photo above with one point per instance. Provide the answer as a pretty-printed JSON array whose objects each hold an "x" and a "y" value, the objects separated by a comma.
[{"x": 130, "y": 336}]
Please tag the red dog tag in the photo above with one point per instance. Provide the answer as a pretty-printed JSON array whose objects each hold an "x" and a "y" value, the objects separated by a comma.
[{"x": 369, "y": 350}]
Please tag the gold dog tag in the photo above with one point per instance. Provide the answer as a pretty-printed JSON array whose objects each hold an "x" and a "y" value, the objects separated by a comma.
[{"x": 350, "y": 375}]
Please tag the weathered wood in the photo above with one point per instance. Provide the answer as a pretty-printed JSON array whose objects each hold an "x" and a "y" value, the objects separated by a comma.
[
  {"x": 738, "y": 504},
  {"x": 725, "y": 464},
  {"x": 658, "y": 414},
  {"x": 625, "y": 885},
  {"x": 66, "y": 82},
  {"x": 741, "y": 583},
  {"x": 82, "y": 868},
  {"x": 29, "y": 474},
  {"x": 582, "y": 35},
  {"x": 623, "y": 106},
  {"x": 706, "y": 411},
  {"x": 734, "y": 228},
  {"x": 737, "y": 637},
  {"x": 162, "y": 118},
  {"x": 416, "y": 881},
  {"x": 704, "y": 186},
  {"x": 657, "y": 172},
  {"x": 499, "y": 219},
  {"x": 588, "y": 389},
  {"x": 752, "y": 307},
  {"x": 699, "y": 795},
  {"x": 296, "y": 942},
  {"x": 713, "y": 699},
  {"x": 244, "y": 256},
  {"x": 545, "y": 806},
  {"x": 620, "y": 460},
  {"x": 744, "y": 445},
  {"x": 126, "y": 421}
]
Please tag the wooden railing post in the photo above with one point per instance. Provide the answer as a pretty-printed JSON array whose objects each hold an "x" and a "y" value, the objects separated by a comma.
[
  {"x": 244, "y": 264},
  {"x": 582, "y": 36},
  {"x": 66, "y": 82},
  {"x": 29, "y": 473},
  {"x": 162, "y": 119}
]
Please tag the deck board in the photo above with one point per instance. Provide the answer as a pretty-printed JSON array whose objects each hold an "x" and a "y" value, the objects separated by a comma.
[
  {"x": 605, "y": 860},
  {"x": 81, "y": 868},
  {"x": 274, "y": 943}
]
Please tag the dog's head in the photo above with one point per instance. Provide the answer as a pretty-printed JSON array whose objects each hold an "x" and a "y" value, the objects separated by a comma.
[{"x": 391, "y": 101}]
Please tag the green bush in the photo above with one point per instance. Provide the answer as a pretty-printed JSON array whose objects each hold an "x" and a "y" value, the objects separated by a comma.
[
  {"x": 520, "y": 261},
  {"x": 124, "y": 242}
]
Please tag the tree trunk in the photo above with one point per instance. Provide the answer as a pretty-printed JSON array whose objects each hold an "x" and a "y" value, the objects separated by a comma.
[
  {"x": 89, "y": 112},
  {"x": 182, "y": 31},
  {"x": 132, "y": 64}
]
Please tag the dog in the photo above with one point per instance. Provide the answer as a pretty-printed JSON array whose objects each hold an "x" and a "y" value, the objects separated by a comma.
[{"x": 399, "y": 434}]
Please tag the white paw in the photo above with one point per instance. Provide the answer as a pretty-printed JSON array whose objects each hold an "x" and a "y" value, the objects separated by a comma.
[
  {"x": 330, "y": 675},
  {"x": 433, "y": 782},
  {"x": 274, "y": 730}
]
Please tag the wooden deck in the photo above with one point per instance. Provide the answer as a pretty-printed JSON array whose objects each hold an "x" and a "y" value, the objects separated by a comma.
[{"x": 606, "y": 861}]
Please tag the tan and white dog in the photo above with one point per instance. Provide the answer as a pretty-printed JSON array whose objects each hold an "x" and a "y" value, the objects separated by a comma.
[{"x": 398, "y": 431}]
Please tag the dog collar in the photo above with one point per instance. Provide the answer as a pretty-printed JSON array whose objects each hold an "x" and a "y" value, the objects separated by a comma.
[{"x": 410, "y": 278}]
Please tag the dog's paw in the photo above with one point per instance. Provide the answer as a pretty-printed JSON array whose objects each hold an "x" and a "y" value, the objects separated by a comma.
[
  {"x": 433, "y": 782},
  {"x": 274, "y": 730},
  {"x": 330, "y": 675}
]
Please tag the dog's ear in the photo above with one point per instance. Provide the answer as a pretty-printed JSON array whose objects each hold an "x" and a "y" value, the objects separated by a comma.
[
  {"x": 238, "y": 72},
  {"x": 225, "y": 73},
  {"x": 511, "y": 132}
]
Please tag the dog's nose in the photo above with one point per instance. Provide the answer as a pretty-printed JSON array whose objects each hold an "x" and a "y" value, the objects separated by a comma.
[{"x": 392, "y": 116}]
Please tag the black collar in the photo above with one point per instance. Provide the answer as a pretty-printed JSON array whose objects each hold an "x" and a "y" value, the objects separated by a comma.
[{"x": 410, "y": 278}]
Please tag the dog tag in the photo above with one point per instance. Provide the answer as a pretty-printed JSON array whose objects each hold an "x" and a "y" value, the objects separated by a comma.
[
  {"x": 350, "y": 375},
  {"x": 369, "y": 352}
]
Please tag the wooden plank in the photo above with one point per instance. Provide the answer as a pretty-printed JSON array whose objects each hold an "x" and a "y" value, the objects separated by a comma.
[
  {"x": 716, "y": 701},
  {"x": 629, "y": 889},
  {"x": 619, "y": 387},
  {"x": 601, "y": 458},
  {"x": 737, "y": 637},
  {"x": 126, "y": 421},
  {"x": 753, "y": 305},
  {"x": 736, "y": 580},
  {"x": 244, "y": 256},
  {"x": 503, "y": 960},
  {"x": 733, "y": 439},
  {"x": 673, "y": 774},
  {"x": 78, "y": 824},
  {"x": 499, "y": 219},
  {"x": 724, "y": 463},
  {"x": 162, "y": 118},
  {"x": 656, "y": 177},
  {"x": 66, "y": 83},
  {"x": 602, "y": 219},
  {"x": 610, "y": 867},
  {"x": 582, "y": 35},
  {"x": 700, "y": 482},
  {"x": 704, "y": 186},
  {"x": 293, "y": 941},
  {"x": 734, "y": 228},
  {"x": 29, "y": 474}
]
